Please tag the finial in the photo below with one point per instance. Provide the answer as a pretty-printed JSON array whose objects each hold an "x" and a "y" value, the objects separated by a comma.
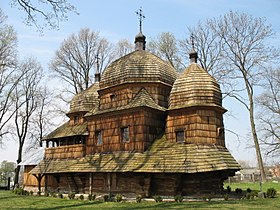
[
  {"x": 193, "y": 53},
  {"x": 141, "y": 18},
  {"x": 97, "y": 73}
]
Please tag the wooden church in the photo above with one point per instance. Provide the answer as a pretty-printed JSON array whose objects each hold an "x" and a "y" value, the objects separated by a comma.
[{"x": 141, "y": 129}]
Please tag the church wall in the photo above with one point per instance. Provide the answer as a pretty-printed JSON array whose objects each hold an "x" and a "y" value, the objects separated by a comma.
[
  {"x": 144, "y": 125},
  {"x": 122, "y": 94},
  {"x": 200, "y": 126}
]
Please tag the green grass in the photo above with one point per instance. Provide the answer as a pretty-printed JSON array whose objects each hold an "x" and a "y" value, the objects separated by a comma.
[
  {"x": 254, "y": 186},
  {"x": 9, "y": 200}
]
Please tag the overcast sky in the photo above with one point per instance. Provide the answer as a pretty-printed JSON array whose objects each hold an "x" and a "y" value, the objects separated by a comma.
[{"x": 117, "y": 20}]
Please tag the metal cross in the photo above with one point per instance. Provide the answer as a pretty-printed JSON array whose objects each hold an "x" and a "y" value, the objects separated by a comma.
[
  {"x": 141, "y": 17},
  {"x": 192, "y": 41}
]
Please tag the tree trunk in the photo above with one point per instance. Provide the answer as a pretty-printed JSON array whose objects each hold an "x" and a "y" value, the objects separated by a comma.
[
  {"x": 255, "y": 137},
  {"x": 17, "y": 171}
]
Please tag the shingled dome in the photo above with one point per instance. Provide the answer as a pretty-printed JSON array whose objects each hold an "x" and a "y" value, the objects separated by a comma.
[
  {"x": 86, "y": 100},
  {"x": 195, "y": 87},
  {"x": 138, "y": 66}
]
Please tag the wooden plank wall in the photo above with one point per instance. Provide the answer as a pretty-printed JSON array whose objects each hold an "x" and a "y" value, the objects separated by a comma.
[
  {"x": 144, "y": 126},
  {"x": 69, "y": 151},
  {"x": 200, "y": 126}
]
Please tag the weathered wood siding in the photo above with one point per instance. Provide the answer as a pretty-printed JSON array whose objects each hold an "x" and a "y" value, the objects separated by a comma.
[
  {"x": 122, "y": 95},
  {"x": 144, "y": 126},
  {"x": 200, "y": 126},
  {"x": 29, "y": 180},
  {"x": 69, "y": 151}
]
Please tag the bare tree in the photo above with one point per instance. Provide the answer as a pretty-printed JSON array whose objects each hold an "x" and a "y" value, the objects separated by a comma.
[
  {"x": 269, "y": 115},
  {"x": 208, "y": 45},
  {"x": 246, "y": 53},
  {"x": 49, "y": 12},
  {"x": 75, "y": 60},
  {"x": 8, "y": 76},
  {"x": 166, "y": 47},
  {"x": 122, "y": 48},
  {"x": 26, "y": 102}
]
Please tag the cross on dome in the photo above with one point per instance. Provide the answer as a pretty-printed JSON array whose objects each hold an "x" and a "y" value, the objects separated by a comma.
[{"x": 141, "y": 17}]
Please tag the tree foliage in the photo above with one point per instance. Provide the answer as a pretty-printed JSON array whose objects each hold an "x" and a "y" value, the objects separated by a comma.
[
  {"x": 8, "y": 76},
  {"x": 269, "y": 115},
  {"x": 79, "y": 57},
  {"x": 42, "y": 13}
]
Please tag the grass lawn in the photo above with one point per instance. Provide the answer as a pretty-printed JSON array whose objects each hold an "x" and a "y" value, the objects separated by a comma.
[{"x": 9, "y": 200}]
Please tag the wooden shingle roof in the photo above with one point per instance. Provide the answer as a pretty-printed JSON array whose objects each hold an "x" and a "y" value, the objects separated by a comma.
[
  {"x": 85, "y": 100},
  {"x": 67, "y": 130},
  {"x": 162, "y": 157},
  {"x": 195, "y": 87},
  {"x": 138, "y": 66}
]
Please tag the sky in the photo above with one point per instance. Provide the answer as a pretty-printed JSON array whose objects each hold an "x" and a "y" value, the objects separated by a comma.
[{"x": 116, "y": 20}]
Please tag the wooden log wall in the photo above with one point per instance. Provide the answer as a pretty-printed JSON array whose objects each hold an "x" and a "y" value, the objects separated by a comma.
[
  {"x": 69, "y": 151},
  {"x": 201, "y": 126},
  {"x": 144, "y": 126},
  {"x": 122, "y": 95}
]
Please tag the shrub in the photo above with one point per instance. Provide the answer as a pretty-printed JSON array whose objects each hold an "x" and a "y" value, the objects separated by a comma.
[
  {"x": 54, "y": 195},
  {"x": 82, "y": 197},
  {"x": 47, "y": 194},
  {"x": 71, "y": 195},
  {"x": 158, "y": 198},
  {"x": 249, "y": 190},
  {"x": 31, "y": 192},
  {"x": 178, "y": 198},
  {"x": 226, "y": 197},
  {"x": 271, "y": 193},
  {"x": 238, "y": 191},
  {"x": 228, "y": 189},
  {"x": 106, "y": 198},
  {"x": 19, "y": 191},
  {"x": 118, "y": 197},
  {"x": 39, "y": 193},
  {"x": 60, "y": 195},
  {"x": 138, "y": 198},
  {"x": 91, "y": 197}
]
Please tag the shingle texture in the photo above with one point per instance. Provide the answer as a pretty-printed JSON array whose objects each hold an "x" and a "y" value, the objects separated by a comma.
[
  {"x": 161, "y": 157},
  {"x": 138, "y": 66},
  {"x": 195, "y": 87},
  {"x": 86, "y": 100},
  {"x": 67, "y": 130}
]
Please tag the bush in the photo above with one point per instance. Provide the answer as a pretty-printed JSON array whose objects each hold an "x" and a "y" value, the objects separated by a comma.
[
  {"x": 118, "y": 197},
  {"x": 47, "y": 194},
  {"x": 39, "y": 193},
  {"x": 91, "y": 197},
  {"x": 249, "y": 190},
  {"x": 31, "y": 192},
  {"x": 71, "y": 195},
  {"x": 106, "y": 198},
  {"x": 238, "y": 191},
  {"x": 82, "y": 197},
  {"x": 138, "y": 198},
  {"x": 54, "y": 195},
  {"x": 226, "y": 197},
  {"x": 19, "y": 191},
  {"x": 228, "y": 189},
  {"x": 178, "y": 198},
  {"x": 271, "y": 193},
  {"x": 60, "y": 195},
  {"x": 158, "y": 198}
]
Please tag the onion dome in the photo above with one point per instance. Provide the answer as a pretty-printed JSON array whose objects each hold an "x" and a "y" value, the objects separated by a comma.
[
  {"x": 85, "y": 100},
  {"x": 195, "y": 87},
  {"x": 138, "y": 66}
]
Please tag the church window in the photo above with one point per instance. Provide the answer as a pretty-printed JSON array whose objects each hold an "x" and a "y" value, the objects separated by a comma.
[
  {"x": 125, "y": 134},
  {"x": 98, "y": 135},
  {"x": 113, "y": 97},
  {"x": 180, "y": 136},
  {"x": 76, "y": 119}
]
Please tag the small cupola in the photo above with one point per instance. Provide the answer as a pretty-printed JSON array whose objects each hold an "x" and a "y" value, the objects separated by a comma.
[
  {"x": 140, "y": 41},
  {"x": 193, "y": 54}
]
